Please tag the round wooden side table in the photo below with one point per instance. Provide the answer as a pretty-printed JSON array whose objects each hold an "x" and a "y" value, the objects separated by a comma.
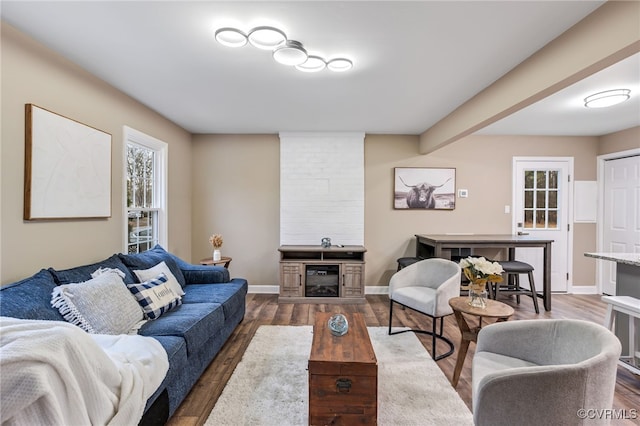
[
  {"x": 460, "y": 305},
  {"x": 208, "y": 261}
]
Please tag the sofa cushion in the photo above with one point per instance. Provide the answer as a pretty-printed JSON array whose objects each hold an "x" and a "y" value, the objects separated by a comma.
[
  {"x": 151, "y": 273},
  {"x": 101, "y": 305},
  {"x": 195, "y": 322},
  {"x": 83, "y": 273},
  {"x": 150, "y": 258},
  {"x": 155, "y": 296},
  {"x": 230, "y": 295},
  {"x": 30, "y": 298}
]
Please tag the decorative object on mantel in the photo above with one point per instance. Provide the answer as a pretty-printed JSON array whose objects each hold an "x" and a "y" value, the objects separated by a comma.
[
  {"x": 479, "y": 271},
  {"x": 67, "y": 171},
  {"x": 424, "y": 188},
  {"x": 326, "y": 242},
  {"x": 216, "y": 241},
  {"x": 338, "y": 325}
]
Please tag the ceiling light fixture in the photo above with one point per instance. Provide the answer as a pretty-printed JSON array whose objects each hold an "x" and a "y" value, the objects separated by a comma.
[
  {"x": 266, "y": 38},
  {"x": 312, "y": 64},
  {"x": 231, "y": 37},
  {"x": 290, "y": 53},
  {"x": 284, "y": 51},
  {"x": 607, "y": 98},
  {"x": 340, "y": 64}
]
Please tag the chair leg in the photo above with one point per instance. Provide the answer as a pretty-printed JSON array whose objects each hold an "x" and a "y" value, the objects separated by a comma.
[
  {"x": 534, "y": 293},
  {"x": 433, "y": 339},
  {"x": 516, "y": 282},
  {"x": 433, "y": 333},
  {"x": 390, "y": 313}
]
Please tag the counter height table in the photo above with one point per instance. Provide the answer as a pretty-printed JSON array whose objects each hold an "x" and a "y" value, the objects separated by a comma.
[
  {"x": 627, "y": 284},
  {"x": 434, "y": 245}
]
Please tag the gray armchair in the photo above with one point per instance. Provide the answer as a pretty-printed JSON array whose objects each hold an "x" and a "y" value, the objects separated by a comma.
[
  {"x": 543, "y": 372},
  {"x": 426, "y": 287}
]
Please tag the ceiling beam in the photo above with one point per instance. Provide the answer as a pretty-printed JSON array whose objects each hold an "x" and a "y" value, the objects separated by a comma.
[{"x": 605, "y": 37}]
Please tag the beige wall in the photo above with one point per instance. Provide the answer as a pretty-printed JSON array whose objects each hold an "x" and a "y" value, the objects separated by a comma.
[
  {"x": 483, "y": 166},
  {"x": 240, "y": 199},
  {"x": 236, "y": 187},
  {"x": 33, "y": 74},
  {"x": 620, "y": 141}
]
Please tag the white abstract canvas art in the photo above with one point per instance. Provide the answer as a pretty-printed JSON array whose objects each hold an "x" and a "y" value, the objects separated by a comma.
[{"x": 67, "y": 168}]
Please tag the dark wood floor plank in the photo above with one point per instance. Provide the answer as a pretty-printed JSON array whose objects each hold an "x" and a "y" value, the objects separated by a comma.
[{"x": 265, "y": 309}]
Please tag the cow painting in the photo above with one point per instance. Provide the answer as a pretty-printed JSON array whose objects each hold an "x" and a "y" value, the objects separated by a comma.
[
  {"x": 420, "y": 196},
  {"x": 414, "y": 189}
]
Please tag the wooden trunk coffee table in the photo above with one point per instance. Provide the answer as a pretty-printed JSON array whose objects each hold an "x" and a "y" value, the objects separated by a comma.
[
  {"x": 343, "y": 374},
  {"x": 498, "y": 310}
]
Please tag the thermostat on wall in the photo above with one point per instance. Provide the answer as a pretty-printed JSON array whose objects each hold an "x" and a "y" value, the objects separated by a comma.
[{"x": 463, "y": 193}]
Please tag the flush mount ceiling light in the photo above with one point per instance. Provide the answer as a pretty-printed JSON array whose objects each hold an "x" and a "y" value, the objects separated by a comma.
[
  {"x": 287, "y": 52},
  {"x": 266, "y": 38},
  {"x": 340, "y": 64},
  {"x": 607, "y": 98},
  {"x": 312, "y": 64},
  {"x": 290, "y": 53},
  {"x": 231, "y": 37}
]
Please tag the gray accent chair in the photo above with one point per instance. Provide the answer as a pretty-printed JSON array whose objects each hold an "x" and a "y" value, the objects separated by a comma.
[
  {"x": 542, "y": 372},
  {"x": 426, "y": 287}
]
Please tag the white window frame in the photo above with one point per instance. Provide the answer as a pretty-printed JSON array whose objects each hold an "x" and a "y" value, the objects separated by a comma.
[{"x": 161, "y": 149}]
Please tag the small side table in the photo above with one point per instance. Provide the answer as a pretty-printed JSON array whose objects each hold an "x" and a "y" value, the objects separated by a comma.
[
  {"x": 208, "y": 261},
  {"x": 460, "y": 305}
]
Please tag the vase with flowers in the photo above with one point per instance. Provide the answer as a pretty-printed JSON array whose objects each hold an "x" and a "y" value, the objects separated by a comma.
[
  {"x": 216, "y": 242},
  {"x": 480, "y": 271}
]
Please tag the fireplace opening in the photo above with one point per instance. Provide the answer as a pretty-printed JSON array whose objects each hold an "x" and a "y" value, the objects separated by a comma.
[{"x": 322, "y": 280}]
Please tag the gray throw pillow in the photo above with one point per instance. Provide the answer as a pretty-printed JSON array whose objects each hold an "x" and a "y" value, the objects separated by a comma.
[{"x": 101, "y": 305}]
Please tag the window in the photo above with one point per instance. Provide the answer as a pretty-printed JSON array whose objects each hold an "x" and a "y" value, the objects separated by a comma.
[
  {"x": 541, "y": 199},
  {"x": 145, "y": 186}
]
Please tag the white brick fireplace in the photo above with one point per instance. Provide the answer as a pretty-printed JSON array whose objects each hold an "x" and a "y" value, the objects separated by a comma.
[{"x": 321, "y": 188}]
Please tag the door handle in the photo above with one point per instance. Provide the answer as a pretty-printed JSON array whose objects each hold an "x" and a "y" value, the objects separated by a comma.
[{"x": 522, "y": 233}]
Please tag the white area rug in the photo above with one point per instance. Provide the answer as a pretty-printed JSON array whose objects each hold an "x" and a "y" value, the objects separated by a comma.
[{"x": 270, "y": 385}]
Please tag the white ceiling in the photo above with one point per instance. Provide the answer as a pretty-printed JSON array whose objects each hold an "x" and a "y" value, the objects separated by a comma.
[{"x": 414, "y": 62}]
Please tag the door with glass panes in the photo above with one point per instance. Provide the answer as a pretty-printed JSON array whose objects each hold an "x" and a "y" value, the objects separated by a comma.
[{"x": 541, "y": 209}]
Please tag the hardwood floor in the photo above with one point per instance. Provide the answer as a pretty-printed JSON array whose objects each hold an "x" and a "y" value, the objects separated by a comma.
[{"x": 264, "y": 309}]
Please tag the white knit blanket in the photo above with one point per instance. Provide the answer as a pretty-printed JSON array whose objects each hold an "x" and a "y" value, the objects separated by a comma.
[{"x": 55, "y": 373}]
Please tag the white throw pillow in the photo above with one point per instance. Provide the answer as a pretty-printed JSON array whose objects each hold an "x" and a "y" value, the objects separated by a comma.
[
  {"x": 101, "y": 305},
  {"x": 161, "y": 268}
]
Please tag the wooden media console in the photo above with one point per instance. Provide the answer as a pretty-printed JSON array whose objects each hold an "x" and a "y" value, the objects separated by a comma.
[{"x": 322, "y": 274}]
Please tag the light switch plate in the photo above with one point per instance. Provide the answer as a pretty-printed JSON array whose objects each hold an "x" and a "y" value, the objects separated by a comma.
[{"x": 463, "y": 193}]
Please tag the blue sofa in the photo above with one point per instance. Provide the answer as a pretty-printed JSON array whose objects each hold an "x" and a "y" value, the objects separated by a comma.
[{"x": 192, "y": 334}]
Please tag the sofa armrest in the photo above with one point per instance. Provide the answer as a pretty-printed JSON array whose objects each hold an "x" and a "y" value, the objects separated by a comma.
[{"x": 201, "y": 274}]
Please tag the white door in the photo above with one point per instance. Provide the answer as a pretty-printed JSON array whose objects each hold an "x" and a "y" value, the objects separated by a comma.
[
  {"x": 621, "y": 208},
  {"x": 542, "y": 195}
]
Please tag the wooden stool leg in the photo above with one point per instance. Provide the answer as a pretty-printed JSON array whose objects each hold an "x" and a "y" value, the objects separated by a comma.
[
  {"x": 609, "y": 317},
  {"x": 534, "y": 294},
  {"x": 632, "y": 336}
]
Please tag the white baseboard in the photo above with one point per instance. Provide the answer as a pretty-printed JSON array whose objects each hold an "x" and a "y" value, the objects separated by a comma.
[
  {"x": 585, "y": 289},
  {"x": 376, "y": 289},
  {"x": 264, "y": 289}
]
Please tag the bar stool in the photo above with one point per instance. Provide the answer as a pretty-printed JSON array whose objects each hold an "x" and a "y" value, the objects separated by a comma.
[
  {"x": 403, "y": 262},
  {"x": 627, "y": 305},
  {"x": 513, "y": 269}
]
